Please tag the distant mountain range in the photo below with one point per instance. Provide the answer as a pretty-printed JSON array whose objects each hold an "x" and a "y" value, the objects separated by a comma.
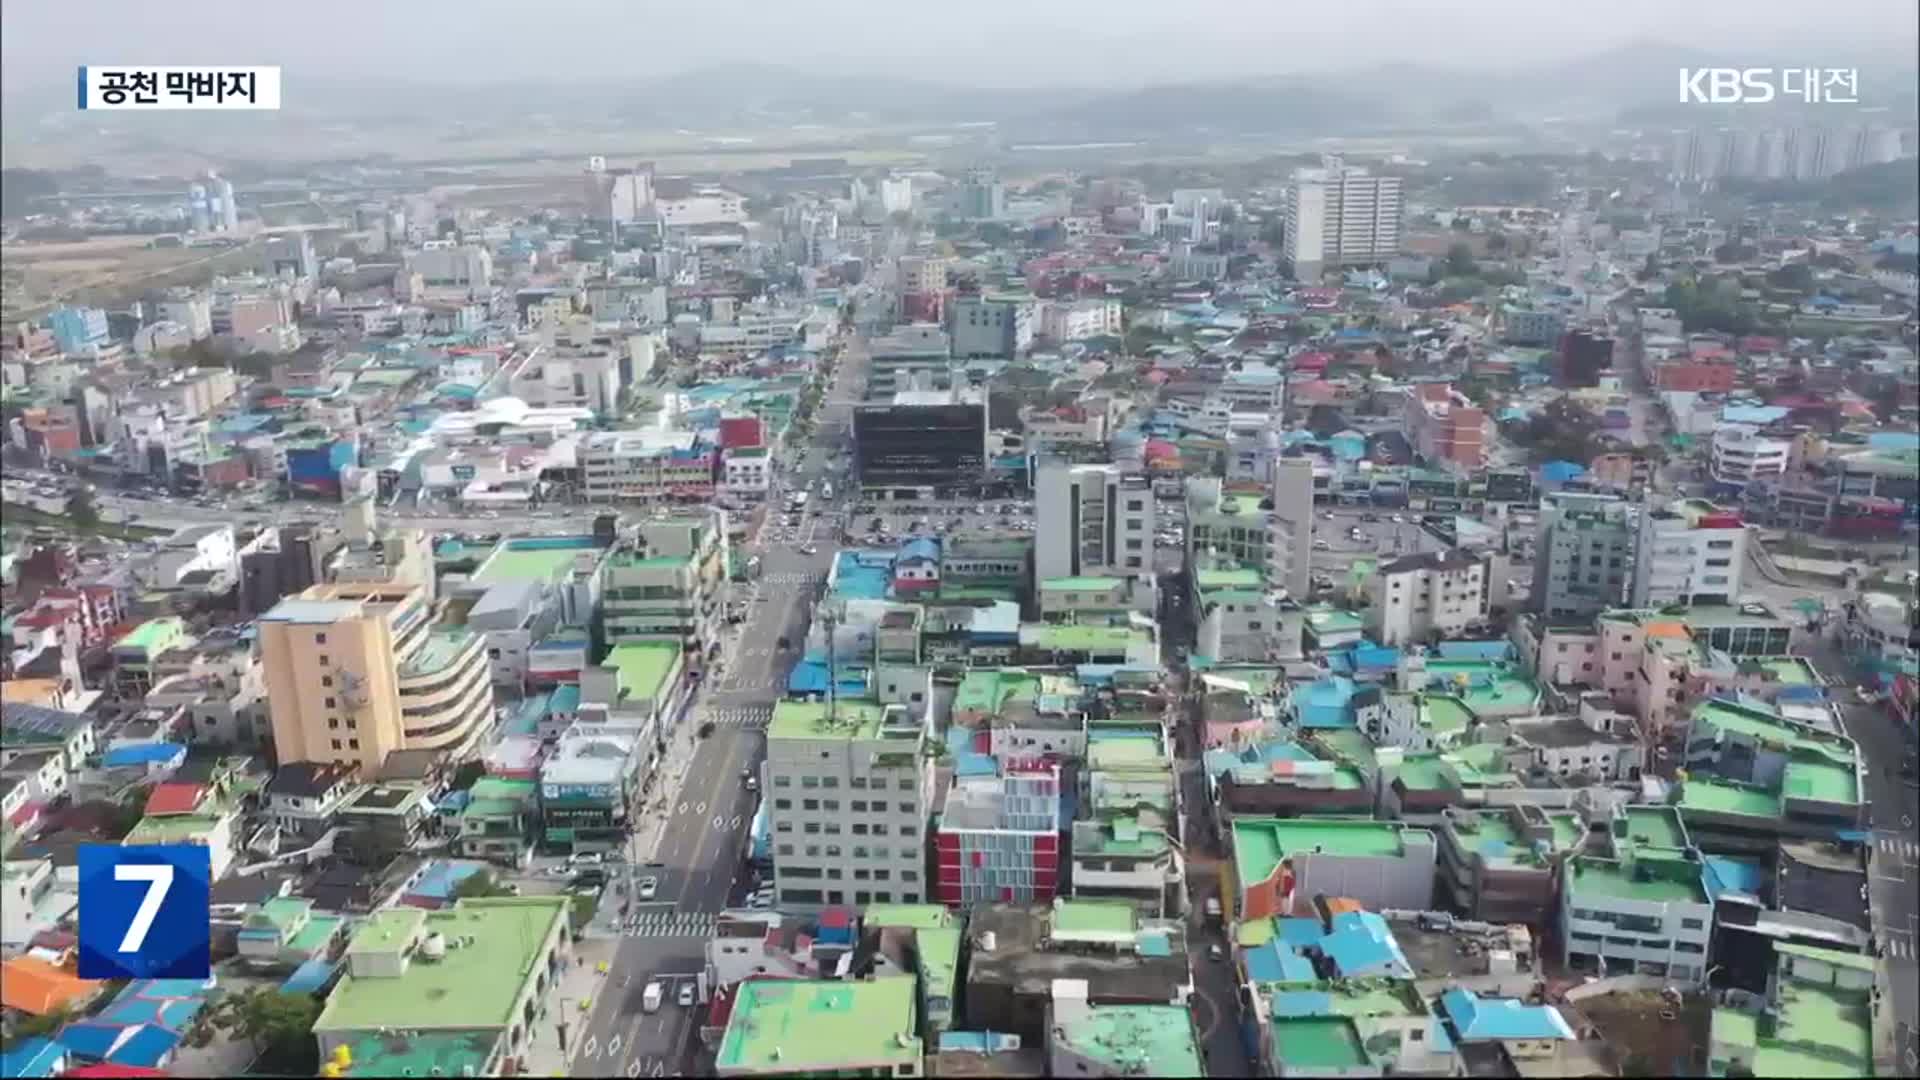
[{"x": 1631, "y": 84}]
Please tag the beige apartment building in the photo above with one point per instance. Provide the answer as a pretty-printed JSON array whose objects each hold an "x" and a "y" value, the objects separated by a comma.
[{"x": 355, "y": 671}]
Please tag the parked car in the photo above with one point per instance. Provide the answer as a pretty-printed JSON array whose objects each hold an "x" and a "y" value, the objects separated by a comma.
[
  {"x": 649, "y": 886},
  {"x": 685, "y": 997}
]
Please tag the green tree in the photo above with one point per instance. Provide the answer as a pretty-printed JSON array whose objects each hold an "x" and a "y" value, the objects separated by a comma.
[
  {"x": 82, "y": 510},
  {"x": 1460, "y": 261},
  {"x": 279, "y": 1027},
  {"x": 479, "y": 886}
]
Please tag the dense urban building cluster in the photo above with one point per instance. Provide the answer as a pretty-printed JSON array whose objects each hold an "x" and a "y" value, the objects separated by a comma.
[{"x": 861, "y": 621}]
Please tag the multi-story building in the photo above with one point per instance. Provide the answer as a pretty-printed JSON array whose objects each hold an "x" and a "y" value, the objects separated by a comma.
[
  {"x": 78, "y": 330},
  {"x": 190, "y": 310},
  {"x": 447, "y": 264},
  {"x": 1292, "y": 564},
  {"x": 1646, "y": 910},
  {"x": 1742, "y": 455},
  {"x": 1274, "y": 535},
  {"x": 1077, "y": 320},
  {"x": 1093, "y": 520},
  {"x": 649, "y": 464},
  {"x": 999, "y": 837},
  {"x": 1689, "y": 553},
  {"x": 668, "y": 585},
  {"x": 1446, "y": 427},
  {"x": 915, "y": 356},
  {"x": 679, "y": 205},
  {"x": 922, "y": 444},
  {"x": 1340, "y": 216},
  {"x": 1501, "y": 864},
  {"x": 1583, "y": 559},
  {"x": 469, "y": 979},
  {"x": 992, "y": 326},
  {"x": 1425, "y": 594},
  {"x": 592, "y": 779},
  {"x": 357, "y": 671},
  {"x": 1530, "y": 326},
  {"x": 617, "y": 197},
  {"x": 849, "y": 791}
]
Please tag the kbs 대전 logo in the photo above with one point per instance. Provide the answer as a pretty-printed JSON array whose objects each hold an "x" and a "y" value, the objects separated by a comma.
[{"x": 1758, "y": 86}]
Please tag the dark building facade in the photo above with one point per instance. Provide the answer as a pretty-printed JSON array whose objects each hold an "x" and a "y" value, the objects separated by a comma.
[{"x": 914, "y": 449}]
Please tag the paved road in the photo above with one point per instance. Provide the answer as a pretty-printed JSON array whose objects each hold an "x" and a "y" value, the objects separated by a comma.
[{"x": 699, "y": 861}]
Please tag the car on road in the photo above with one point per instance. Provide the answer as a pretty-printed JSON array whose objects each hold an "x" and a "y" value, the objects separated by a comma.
[
  {"x": 652, "y": 996},
  {"x": 585, "y": 858},
  {"x": 809, "y": 549},
  {"x": 648, "y": 887},
  {"x": 1322, "y": 545},
  {"x": 685, "y": 997}
]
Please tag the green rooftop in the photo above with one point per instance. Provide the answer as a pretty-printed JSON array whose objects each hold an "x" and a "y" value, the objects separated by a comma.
[
  {"x": 913, "y": 916},
  {"x": 1444, "y": 715},
  {"x": 542, "y": 559},
  {"x": 1655, "y": 826},
  {"x": 644, "y": 667},
  {"x": 154, "y": 635},
  {"x": 1318, "y": 1042},
  {"x": 808, "y": 720},
  {"x": 1259, "y": 844},
  {"x": 1716, "y": 797},
  {"x": 1074, "y": 638},
  {"x": 1646, "y": 878},
  {"x": 437, "y": 651},
  {"x": 1094, "y": 917},
  {"x": 1132, "y": 1040},
  {"x": 1816, "y": 780},
  {"x": 989, "y": 691},
  {"x": 474, "y": 986},
  {"x": 799, "y": 1026},
  {"x": 1239, "y": 577}
]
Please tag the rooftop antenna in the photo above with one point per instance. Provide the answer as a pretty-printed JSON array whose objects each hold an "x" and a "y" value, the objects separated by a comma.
[{"x": 828, "y": 619}]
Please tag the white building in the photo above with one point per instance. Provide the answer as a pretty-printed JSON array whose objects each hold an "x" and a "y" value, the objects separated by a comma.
[
  {"x": 194, "y": 312},
  {"x": 1425, "y": 594},
  {"x": 446, "y": 264},
  {"x": 584, "y": 381},
  {"x": 1292, "y": 564},
  {"x": 991, "y": 326},
  {"x": 849, "y": 793},
  {"x": 1340, "y": 216},
  {"x": 747, "y": 471},
  {"x": 1741, "y": 455},
  {"x": 702, "y": 206},
  {"x": 1689, "y": 553},
  {"x": 1077, "y": 320},
  {"x": 1646, "y": 912},
  {"x": 1092, "y": 520}
]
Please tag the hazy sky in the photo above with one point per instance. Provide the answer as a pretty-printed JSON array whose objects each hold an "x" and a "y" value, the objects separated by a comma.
[{"x": 998, "y": 42}]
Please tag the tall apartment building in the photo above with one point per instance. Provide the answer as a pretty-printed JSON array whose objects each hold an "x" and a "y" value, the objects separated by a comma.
[
  {"x": 1691, "y": 552},
  {"x": 1583, "y": 559},
  {"x": 1292, "y": 563},
  {"x": 1093, "y": 520},
  {"x": 1427, "y": 593},
  {"x": 357, "y": 671},
  {"x": 849, "y": 790},
  {"x": 617, "y": 197},
  {"x": 1340, "y": 216},
  {"x": 1786, "y": 153}
]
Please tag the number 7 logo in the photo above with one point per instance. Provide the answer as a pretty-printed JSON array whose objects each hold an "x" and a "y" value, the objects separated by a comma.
[
  {"x": 144, "y": 911},
  {"x": 159, "y": 879}
]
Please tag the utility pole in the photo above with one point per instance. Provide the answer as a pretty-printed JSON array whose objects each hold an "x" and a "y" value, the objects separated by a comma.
[{"x": 828, "y": 619}]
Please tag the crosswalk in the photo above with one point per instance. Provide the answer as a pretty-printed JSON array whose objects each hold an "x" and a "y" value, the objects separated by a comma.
[
  {"x": 1899, "y": 948},
  {"x": 745, "y": 716},
  {"x": 787, "y": 579},
  {"x": 1898, "y": 847},
  {"x": 661, "y": 923}
]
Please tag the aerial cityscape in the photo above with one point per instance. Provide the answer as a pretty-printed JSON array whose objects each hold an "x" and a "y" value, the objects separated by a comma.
[{"x": 1191, "y": 542}]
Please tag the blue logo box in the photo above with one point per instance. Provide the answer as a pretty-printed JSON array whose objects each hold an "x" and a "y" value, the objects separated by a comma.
[{"x": 143, "y": 911}]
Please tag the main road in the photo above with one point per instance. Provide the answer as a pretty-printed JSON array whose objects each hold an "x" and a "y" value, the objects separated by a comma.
[{"x": 700, "y": 857}]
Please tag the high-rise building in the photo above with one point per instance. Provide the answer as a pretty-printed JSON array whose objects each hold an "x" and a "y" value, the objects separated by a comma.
[
  {"x": 980, "y": 196},
  {"x": 1583, "y": 559},
  {"x": 1340, "y": 216},
  {"x": 999, "y": 837},
  {"x": 229, "y": 212},
  {"x": 1293, "y": 525},
  {"x": 617, "y": 197},
  {"x": 925, "y": 442},
  {"x": 1690, "y": 552},
  {"x": 995, "y": 326},
  {"x": 849, "y": 790},
  {"x": 356, "y": 671},
  {"x": 1092, "y": 521}
]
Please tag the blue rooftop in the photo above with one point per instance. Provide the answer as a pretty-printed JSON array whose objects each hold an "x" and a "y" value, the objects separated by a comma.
[
  {"x": 1325, "y": 703},
  {"x": 1728, "y": 874},
  {"x": 1362, "y": 944},
  {"x": 144, "y": 754},
  {"x": 35, "y": 1057},
  {"x": 1476, "y": 1018},
  {"x": 862, "y": 575}
]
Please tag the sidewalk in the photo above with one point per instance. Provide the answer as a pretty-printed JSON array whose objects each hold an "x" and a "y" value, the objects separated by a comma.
[
  {"x": 579, "y": 986},
  {"x": 669, "y": 775}
]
